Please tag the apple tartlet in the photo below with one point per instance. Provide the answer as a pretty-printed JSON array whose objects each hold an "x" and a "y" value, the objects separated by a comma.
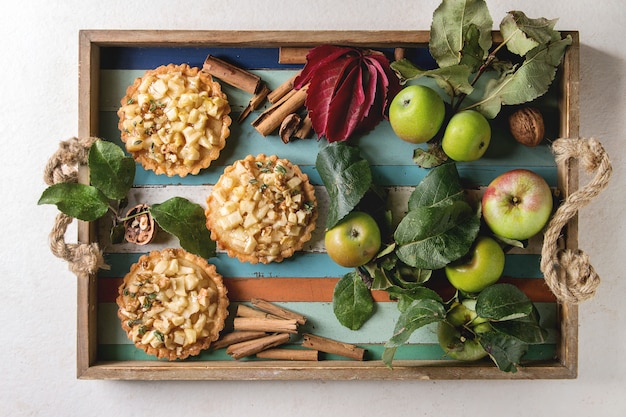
[
  {"x": 172, "y": 304},
  {"x": 174, "y": 120},
  {"x": 262, "y": 209}
]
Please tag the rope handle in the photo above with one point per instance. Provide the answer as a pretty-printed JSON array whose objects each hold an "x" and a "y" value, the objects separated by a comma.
[
  {"x": 84, "y": 259},
  {"x": 569, "y": 273}
]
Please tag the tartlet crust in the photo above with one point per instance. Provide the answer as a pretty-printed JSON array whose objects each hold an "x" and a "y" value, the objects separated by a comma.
[
  {"x": 253, "y": 179},
  {"x": 139, "y": 318},
  {"x": 158, "y": 158}
]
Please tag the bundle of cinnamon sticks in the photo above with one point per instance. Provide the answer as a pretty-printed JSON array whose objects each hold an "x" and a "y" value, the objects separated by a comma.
[
  {"x": 286, "y": 112},
  {"x": 262, "y": 328}
]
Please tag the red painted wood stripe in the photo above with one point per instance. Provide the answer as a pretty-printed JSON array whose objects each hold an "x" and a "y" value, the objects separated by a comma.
[{"x": 321, "y": 289}]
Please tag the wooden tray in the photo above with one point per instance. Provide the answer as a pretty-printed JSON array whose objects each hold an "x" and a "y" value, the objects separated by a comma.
[{"x": 109, "y": 61}]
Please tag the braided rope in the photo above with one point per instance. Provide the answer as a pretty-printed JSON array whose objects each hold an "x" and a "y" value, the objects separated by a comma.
[
  {"x": 84, "y": 258},
  {"x": 569, "y": 273}
]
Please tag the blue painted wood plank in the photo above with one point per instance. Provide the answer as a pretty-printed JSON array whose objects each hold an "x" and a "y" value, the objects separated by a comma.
[{"x": 305, "y": 265}]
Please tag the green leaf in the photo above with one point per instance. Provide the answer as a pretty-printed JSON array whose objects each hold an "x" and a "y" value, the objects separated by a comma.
[
  {"x": 418, "y": 314},
  {"x": 117, "y": 233},
  {"x": 502, "y": 302},
  {"x": 346, "y": 176},
  {"x": 387, "y": 356},
  {"x": 527, "y": 329},
  {"x": 531, "y": 80},
  {"x": 449, "y": 30},
  {"x": 380, "y": 281},
  {"x": 523, "y": 34},
  {"x": 432, "y": 237},
  {"x": 408, "y": 277},
  {"x": 186, "y": 221},
  {"x": 473, "y": 54},
  {"x": 110, "y": 170},
  {"x": 504, "y": 350},
  {"x": 440, "y": 187},
  {"x": 83, "y": 202},
  {"x": 430, "y": 158},
  {"x": 406, "y": 296},
  {"x": 453, "y": 80},
  {"x": 352, "y": 301},
  {"x": 522, "y": 244}
]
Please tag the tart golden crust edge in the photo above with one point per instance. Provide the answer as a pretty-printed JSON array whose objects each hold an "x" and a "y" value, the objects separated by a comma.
[
  {"x": 221, "y": 312},
  {"x": 177, "y": 169},
  {"x": 216, "y": 234}
]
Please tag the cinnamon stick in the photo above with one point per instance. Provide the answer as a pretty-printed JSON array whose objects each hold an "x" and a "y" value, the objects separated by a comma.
[
  {"x": 289, "y": 354},
  {"x": 398, "y": 54},
  {"x": 265, "y": 325},
  {"x": 231, "y": 74},
  {"x": 255, "y": 103},
  {"x": 245, "y": 311},
  {"x": 277, "y": 310},
  {"x": 292, "y": 55},
  {"x": 332, "y": 346},
  {"x": 236, "y": 337},
  {"x": 280, "y": 91},
  {"x": 252, "y": 347},
  {"x": 270, "y": 119}
]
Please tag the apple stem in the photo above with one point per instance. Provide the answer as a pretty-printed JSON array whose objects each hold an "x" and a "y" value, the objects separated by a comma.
[{"x": 486, "y": 64}]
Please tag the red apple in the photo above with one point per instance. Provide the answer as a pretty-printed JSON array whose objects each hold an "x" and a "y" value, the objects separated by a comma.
[{"x": 517, "y": 204}]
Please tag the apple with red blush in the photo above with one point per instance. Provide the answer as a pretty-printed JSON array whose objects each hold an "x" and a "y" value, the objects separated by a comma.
[{"x": 517, "y": 204}]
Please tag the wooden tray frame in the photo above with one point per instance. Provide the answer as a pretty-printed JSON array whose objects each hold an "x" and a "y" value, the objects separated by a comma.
[{"x": 88, "y": 365}]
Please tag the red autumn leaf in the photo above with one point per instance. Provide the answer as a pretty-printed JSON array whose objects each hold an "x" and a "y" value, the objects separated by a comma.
[
  {"x": 344, "y": 110},
  {"x": 319, "y": 57},
  {"x": 349, "y": 90},
  {"x": 321, "y": 91}
]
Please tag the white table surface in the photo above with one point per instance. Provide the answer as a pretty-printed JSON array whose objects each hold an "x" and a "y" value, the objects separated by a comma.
[{"x": 39, "y": 85}]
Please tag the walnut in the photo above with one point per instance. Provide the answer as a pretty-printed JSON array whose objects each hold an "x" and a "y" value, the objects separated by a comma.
[
  {"x": 140, "y": 227},
  {"x": 527, "y": 126}
]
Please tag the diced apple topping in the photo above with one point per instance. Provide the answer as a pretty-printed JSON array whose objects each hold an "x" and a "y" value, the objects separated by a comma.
[
  {"x": 174, "y": 117},
  {"x": 169, "y": 303},
  {"x": 261, "y": 206}
]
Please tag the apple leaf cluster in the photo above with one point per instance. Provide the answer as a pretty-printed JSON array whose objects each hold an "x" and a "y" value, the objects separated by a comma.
[
  {"x": 513, "y": 324},
  {"x": 440, "y": 227},
  {"x": 111, "y": 176},
  {"x": 461, "y": 44},
  {"x": 349, "y": 89}
]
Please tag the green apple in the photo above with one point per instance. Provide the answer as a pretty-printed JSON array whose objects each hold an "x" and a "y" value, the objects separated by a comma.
[
  {"x": 482, "y": 267},
  {"x": 416, "y": 113},
  {"x": 354, "y": 241},
  {"x": 459, "y": 343},
  {"x": 464, "y": 313},
  {"x": 459, "y": 333},
  {"x": 517, "y": 204},
  {"x": 467, "y": 136}
]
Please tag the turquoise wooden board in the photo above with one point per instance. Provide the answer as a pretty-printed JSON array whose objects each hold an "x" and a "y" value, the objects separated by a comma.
[
  {"x": 304, "y": 265},
  {"x": 322, "y": 323}
]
